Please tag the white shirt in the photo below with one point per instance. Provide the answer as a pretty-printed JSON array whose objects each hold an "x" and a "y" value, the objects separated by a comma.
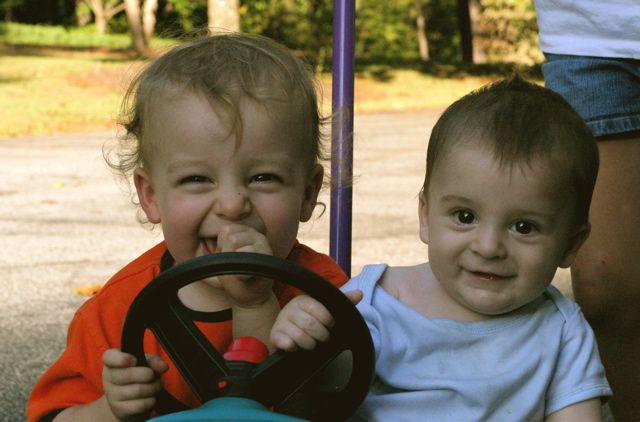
[{"x": 601, "y": 28}]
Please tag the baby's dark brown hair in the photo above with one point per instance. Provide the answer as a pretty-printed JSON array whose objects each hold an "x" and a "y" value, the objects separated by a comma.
[{"x": 521, "y": 123}]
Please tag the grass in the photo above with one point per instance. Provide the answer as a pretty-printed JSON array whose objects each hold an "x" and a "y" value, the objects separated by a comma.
[
  {"x": 67, "y": 37},
  {"x": 51, "y": 94},
  {"x": 69, "y": 82}
]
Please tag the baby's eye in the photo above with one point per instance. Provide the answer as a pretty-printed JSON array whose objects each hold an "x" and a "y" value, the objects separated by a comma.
[
  {"x": 523, "y": 227},
  {"x": 194, "y": 179},
  {"x": 465, "y": 216},
  {"x": 265, "y": 177}
]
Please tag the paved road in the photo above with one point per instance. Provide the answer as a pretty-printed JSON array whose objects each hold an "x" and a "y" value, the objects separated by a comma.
[{"x": 66, "y": 222}]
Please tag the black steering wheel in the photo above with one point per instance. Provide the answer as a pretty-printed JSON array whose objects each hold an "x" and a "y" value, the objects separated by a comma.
[{"x": 273, "y": 381}]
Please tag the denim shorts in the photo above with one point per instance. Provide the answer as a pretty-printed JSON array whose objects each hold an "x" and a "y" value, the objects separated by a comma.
[{"x": 604, "y": 91}]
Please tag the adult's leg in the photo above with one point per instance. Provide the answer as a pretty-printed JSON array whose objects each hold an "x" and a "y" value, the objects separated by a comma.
[{"x": 606, "y": 272}]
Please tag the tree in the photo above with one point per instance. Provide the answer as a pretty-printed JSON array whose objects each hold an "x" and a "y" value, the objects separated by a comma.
[
  {"x": 7, "y": 7},
  {"x": 103, "y": 11},
  {"x": 141, "y": 23},
  {"x": 473, "y": 50},
  {"x": 421, "y": 27},
  {"x": 149, "y": 19},
  {"x": 479, "y": 51},
  {"x": 224, "y": 15}
]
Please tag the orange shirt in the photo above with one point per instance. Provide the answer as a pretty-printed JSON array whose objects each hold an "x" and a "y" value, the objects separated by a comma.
[{"x": 76, "y": 377}]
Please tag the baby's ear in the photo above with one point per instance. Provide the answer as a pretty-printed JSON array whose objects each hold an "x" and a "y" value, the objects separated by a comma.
[
  {"x": 576, "y": 240},
  {"x": 146, "y": 195},
  {"x": 311, "y": 192},
  {"x": 423, "y": 213}
]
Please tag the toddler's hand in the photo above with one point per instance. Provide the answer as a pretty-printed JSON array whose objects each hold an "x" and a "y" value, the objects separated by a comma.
[
  {"x": 245, "y": 291},
  {"x": 130, "y": 390},
  {"x": 304, "y": 322}
]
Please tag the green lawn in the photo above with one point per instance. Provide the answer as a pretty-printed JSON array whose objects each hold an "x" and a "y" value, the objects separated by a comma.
[
  {"x": 49, "y": 94},
  {"x": 65, "y": 85}
]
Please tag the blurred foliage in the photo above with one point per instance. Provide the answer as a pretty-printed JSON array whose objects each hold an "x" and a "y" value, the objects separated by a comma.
[
  {"x": 510, "y": 30},
  {"x": 386, "y": 30},
  {"x": 17, "y": 34},
  {"x": 55, "y": 12},
  {"x": 302, "y": 25},
  {"x": 179, "y": 16}
]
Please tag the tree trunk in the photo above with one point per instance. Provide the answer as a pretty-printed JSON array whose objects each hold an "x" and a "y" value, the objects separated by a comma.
[
  {"x": 102, "y": 13},
  {"x": 99, "y": 15},
  {"x": 101, "y": 20},
  {"x": 473, "y": 50},
  {"x": 466, "y": 32},
  {"x": 479, "y": 48},
  {"x": 132, "y": 9},
  {"x": 224, "y": 15},
  {"x": 149, "y": 19},
  {"x": 421, "y": 27}
]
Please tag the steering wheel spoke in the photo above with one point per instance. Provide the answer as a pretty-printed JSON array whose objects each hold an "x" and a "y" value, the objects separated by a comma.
[{"x": 197, "y": 360}]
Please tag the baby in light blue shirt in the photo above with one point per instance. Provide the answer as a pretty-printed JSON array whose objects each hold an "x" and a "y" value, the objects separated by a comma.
[{"x": 477, "y": 333}]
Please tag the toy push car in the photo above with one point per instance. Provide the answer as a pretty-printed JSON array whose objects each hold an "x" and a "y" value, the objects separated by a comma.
[{"x": 244, "y": 384}]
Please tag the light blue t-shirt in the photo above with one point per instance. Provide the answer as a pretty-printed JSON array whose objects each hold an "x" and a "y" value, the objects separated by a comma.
[{"x": 520, "y": 367}]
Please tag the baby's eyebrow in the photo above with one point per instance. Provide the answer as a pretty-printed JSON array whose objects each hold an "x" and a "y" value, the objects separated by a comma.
[
  {"x": 176, "y": 165},
  {"x": 548, "y": 216},
  {"x": 457, "y": 199}
]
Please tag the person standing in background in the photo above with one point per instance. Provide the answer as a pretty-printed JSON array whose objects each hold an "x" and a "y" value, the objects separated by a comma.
[{"x": 592, "y": 51}]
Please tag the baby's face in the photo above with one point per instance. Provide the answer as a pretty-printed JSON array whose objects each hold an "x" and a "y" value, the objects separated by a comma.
[
  {"x": 202, "y": 176},
  {"x": 496, "y": 235}
]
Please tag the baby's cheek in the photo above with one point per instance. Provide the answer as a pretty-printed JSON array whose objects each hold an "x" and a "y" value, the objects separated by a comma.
[{"x": 283, "y": 239}]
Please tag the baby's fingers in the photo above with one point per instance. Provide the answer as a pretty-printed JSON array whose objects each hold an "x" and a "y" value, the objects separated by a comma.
[
  {"x": 120, "y": 369},
  {"x": 114, "y": 358},
  {"x": 130, "y": 391},
  {"x": 131, "y": 375},
  {"x": 355, "y": 296},
  {"x": 158, "y": 364},
  {"x": 240, "y": 238},
  {"x": 280, "y": 340},
  {"x": 302, "y": 323},
  {"x": 134, "y": 392},
  {"x": 132, "y": 401},
  {"x": 311, "y": 312},
  {"x": 293, "y": 337}
]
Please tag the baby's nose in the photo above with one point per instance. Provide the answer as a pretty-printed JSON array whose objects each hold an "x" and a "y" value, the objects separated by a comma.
[
  {"x": 232, "y": 203},
  {"x": 488, "y": 243}
]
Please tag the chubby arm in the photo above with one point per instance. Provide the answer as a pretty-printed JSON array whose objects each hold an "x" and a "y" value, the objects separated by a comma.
[
  {"x": 584, "y": 411},
  {"x": 129, "y": 390},
  {"x": 97, "y": 410},
  {"x": 254, "y": 305}
]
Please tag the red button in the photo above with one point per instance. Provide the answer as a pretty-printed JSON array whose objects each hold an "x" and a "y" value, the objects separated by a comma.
[{"x": 247, "y": 349}]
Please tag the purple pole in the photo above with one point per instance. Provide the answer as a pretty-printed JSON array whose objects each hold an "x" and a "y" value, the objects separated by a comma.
[{"x": 342, "y": 132}]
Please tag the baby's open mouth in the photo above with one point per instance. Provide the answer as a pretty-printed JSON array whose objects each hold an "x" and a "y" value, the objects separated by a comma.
[
  {"x": 488, "y": 276},
  {"x": 209, "y": 245}
]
